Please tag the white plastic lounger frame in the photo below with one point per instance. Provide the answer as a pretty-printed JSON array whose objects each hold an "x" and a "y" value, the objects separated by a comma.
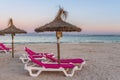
[
  {"x": 5, "y": 51},
  {"x": 80, "y": 65},
  {"x": 39, "y": 69},
  {"x": 24, "y": 58}
]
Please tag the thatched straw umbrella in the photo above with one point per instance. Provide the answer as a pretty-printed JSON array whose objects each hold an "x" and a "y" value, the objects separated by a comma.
[
  {"x": 12, "y": 30},
  {"x": 59, "y": 25}
]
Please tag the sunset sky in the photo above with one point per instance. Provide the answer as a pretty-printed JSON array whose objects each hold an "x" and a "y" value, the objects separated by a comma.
[{"x": 93, "y": 16}]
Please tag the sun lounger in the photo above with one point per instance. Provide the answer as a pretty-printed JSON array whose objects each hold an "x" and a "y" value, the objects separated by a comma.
[
  {"x": 39, "y": 66},
  {"x": 51, "y": 57},
  {"x": 4, "y": 48},
  {"x": 25, "y": 59},
  {"x": 77, "y": 61}
]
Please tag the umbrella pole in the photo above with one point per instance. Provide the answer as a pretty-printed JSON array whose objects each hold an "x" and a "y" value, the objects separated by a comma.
[
  {"x": 58, "y": 49},
  {"x": 12, "y": 45}
]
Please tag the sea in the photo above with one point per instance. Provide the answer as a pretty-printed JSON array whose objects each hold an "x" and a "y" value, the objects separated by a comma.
[{"x": 36, "y": 38}]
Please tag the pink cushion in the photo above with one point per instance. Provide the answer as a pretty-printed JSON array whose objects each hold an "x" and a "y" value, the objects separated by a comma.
[
  {"x": 30, "y": 52},
  {"x": 58, "y": 65},
  {"x": 77, "y": 60},
  {"x": 38, "y": 62},
  {"x": 71, "y": 60},
  {"x": 39, "y": 56},
  {"x": 3, "y": 47}
]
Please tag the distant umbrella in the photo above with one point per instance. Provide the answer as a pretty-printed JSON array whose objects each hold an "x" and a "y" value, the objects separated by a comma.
[
  {"x": 12, "y": 30},
  {"x": 59, "y": 25}
]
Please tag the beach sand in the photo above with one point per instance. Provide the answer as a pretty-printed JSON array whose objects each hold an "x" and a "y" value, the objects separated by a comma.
[{"x": 102, "y": 62}]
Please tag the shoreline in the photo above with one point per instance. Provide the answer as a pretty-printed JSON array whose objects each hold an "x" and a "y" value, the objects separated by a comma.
[{"x": 60, "y": 42}]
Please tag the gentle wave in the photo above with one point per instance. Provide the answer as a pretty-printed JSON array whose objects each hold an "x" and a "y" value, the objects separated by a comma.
[{"x": 67, "y": 38}]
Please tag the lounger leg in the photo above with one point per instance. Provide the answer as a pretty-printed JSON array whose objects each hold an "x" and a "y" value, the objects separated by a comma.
[
  {"x": 25, "y": 60},
  {"x": 80, "y": 66},
  {"x": 30, "y": 70},
  {"x": 34, "y": 74},
  {"x": 71, "y": 73},
  {"x": 5, "y": 51}
]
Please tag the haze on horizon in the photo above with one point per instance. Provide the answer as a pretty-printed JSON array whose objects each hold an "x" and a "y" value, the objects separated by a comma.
[{"x": 93, "y": 16}]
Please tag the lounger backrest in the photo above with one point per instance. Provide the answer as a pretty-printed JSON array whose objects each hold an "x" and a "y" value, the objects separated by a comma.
[
  {"x": 36, "y": 61},
  {"x": 30, "y": 52},
  {"x": 51, "y": 58}
]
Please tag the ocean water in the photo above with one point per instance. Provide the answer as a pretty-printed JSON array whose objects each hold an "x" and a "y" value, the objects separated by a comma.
[{"x": 67, "y": 38}]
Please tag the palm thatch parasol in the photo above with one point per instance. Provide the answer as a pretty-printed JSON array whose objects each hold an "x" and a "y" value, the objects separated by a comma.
[
  {"x": 12, "y": 30},
  {"x": 59, "y": 25}
]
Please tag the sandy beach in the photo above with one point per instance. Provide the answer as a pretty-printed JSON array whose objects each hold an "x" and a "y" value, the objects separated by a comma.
[{"x": 102, "y": 62}]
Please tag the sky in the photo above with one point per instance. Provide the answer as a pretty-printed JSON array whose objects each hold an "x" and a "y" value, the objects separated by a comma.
[{"x": 93, "y": 16}]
